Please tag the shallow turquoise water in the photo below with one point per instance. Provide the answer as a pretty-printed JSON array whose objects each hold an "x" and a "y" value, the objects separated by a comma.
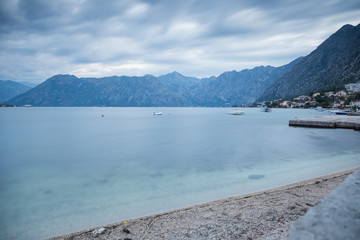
[{"x": 67, "y": 169}]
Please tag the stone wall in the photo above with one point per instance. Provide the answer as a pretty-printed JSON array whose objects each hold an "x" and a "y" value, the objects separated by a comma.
[{"x": 337, "y": 216}]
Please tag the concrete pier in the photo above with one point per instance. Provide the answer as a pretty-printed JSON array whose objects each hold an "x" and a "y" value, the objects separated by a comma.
[{"x": 336, "y": 121}]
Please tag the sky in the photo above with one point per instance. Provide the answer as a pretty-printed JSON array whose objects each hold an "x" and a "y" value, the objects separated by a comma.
[{"x": 96, "y": 38}]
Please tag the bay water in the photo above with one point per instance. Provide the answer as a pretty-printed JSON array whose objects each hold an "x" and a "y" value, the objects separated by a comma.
[{"x": 69, "y": 169}]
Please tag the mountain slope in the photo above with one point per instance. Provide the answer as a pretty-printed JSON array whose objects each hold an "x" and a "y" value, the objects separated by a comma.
[
  {"x": 10, "y": 89},
  {"x": 234, "y": 87},
  {"x": 68, "y": 90},
  {"x": 333, "y": 64}
]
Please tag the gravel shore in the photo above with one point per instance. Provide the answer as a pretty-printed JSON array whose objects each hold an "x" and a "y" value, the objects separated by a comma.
[{"x": 263, "y": 215}]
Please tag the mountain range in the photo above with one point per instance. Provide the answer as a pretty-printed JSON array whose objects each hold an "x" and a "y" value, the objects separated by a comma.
[
  {"x": 331, "y": 65},
  {"x": 172, "y": 90}
]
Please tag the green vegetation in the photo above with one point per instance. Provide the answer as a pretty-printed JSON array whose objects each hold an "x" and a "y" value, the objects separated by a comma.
[{"x": 324, "y": 101}]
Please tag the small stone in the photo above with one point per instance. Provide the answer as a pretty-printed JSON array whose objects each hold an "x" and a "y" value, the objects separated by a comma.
[
  {"x": 292, "y": 207},
  {"x": 96, "y": 233},
  {"x": 125, "y": 230}
]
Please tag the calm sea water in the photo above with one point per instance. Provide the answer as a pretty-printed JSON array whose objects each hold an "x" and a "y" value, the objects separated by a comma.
[{"x": 68, "y": 169}]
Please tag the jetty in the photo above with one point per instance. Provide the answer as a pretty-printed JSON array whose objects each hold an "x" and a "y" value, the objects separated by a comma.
[{"x": 336, "y": 121}]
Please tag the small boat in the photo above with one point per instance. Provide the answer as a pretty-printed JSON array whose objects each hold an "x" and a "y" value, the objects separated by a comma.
[
  {"x": 339, "y": 112},
  {"x": 236, "y": 111},
  {"x": 265, "y": 108},
  {"x": 157, "y": 113}
]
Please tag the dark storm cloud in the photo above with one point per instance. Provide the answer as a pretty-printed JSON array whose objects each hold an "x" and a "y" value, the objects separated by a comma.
[{"x": 40, "y": 38}]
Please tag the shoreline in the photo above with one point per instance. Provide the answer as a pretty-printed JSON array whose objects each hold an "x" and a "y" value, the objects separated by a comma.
[{"x": 266, "y": 214}]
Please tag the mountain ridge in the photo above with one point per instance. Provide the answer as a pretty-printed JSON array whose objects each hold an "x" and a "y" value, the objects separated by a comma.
[
  {"x": 243, "y": 87},
  {"x": 330, "y": 66},
  {"x": 172, "y": 89},
  {"x": 69, "y": 90}
]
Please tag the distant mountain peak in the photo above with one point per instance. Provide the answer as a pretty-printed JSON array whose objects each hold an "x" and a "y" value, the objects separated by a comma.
[
  {"x": 149, "y": 76},
  {"x": 62, "y": 77},
  {"x": 348, "y": 26},
  {"x": 173, "y": 74}
]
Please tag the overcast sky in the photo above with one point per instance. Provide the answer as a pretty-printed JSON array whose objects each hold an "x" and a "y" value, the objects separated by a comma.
[{"x": 96, "y": 38}]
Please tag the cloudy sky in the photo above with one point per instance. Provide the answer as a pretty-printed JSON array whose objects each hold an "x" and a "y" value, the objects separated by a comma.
[{"x": 41, "y": 38}]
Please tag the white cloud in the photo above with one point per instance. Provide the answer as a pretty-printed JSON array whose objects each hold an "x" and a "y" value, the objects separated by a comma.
[
  {"x": 196, "y": 38},
  {"x": 137, "y": 9},
  {"x": 183, "y": 29},
  {"x": 248, "y": 18},
  {"x": 101, "y": 70}
]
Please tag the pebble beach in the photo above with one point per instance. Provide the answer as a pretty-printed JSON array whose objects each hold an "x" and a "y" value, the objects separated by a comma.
[{"x": 262, "y": 215}]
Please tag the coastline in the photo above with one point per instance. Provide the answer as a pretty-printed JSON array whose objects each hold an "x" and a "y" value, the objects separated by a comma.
[{"x": 261, "y": 215}]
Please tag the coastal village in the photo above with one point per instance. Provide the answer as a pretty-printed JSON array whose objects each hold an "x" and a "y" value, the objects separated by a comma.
[{"x": 349, "y": 98}]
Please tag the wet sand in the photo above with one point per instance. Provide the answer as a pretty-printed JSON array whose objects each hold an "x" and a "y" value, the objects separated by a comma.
[{"x": 262, "y": 215}]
